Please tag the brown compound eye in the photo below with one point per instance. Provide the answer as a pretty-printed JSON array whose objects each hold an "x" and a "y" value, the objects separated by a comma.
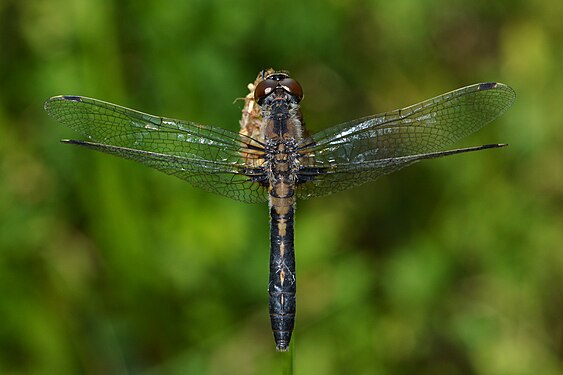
[
  {"x": 263, "y": 89},
  {"x": 293, "y": 87}
]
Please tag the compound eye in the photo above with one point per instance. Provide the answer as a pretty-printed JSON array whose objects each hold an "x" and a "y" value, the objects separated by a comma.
[
  {"x": 263, "y": 89},
  {"x": 293, "y": 87}
]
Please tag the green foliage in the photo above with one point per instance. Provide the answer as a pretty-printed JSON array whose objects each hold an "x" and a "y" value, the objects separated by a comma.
[{"x": 451, "y": 266}]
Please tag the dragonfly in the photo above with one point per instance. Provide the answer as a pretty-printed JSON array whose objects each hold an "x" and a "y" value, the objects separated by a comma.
[{"x": 274, "y": 159}]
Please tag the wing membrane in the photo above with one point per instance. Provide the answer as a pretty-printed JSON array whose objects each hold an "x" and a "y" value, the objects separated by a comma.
[
  {"x": 206, "y": 156},
  {"x": 362, "y": 150},
  {"x": 338, "y": 177}
]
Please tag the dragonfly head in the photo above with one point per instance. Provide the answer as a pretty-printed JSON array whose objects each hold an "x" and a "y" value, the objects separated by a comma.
[{"x": 279, "y": 84}]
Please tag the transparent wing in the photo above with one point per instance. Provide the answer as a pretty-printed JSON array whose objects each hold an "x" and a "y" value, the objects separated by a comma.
[
  {"x": 355, "y": 152},
  {"x": 212, "y": 158}
]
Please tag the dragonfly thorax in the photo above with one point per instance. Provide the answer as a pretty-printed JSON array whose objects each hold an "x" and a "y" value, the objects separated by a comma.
[
  {"x": 282, "y": 161},
  {"x": 282, "y": 117}
]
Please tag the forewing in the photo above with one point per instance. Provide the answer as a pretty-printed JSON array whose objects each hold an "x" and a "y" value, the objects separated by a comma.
[
  {"x": 361, "y": 150},
  {"x": 207, "y": 157}
]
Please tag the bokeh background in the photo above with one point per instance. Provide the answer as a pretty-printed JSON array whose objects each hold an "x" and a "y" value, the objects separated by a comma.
[{"x": 452, "y": 266}]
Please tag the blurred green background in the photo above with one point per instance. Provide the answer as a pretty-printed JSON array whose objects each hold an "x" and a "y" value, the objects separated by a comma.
[{"x": 452, "y": 266}]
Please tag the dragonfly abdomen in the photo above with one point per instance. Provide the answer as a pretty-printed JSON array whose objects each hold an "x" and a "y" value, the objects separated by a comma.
[{"x": 282, "y": 265}]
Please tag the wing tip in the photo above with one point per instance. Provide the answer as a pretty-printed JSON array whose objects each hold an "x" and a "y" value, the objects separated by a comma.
[
  {"x": 73, "y": 98},
  {"x": 72, "y": 142},
  {"x": 507, "y": 91},
  {"x": 488, "y": 85},
  {"x": 495, "y": 86},
  {"x": 491, "y": 145}
]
